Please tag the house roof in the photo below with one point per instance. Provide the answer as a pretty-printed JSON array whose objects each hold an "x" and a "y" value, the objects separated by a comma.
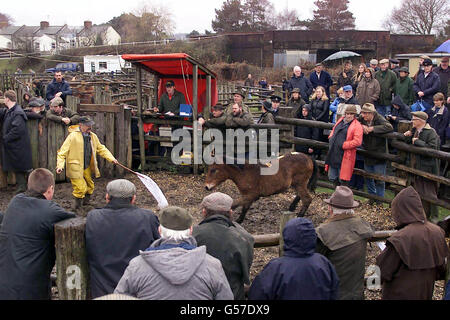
[
  {"x": 93, "y": 29},
  {"x": 52, "y": 30},
  {"x": 27, "y": 31},
  {"x": 10, "y": 30}
]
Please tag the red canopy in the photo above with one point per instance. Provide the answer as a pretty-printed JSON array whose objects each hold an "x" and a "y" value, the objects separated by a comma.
[{"x": 177, "y": 67}]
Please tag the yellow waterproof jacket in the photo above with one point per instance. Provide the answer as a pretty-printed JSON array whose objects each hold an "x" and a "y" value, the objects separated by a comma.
[{"x": 72, "y": 152}]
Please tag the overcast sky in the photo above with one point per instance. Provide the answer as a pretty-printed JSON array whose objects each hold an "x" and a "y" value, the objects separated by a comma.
[{"x": 188, "y": 15}]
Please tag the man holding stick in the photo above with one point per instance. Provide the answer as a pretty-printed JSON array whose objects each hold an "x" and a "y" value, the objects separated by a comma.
[{"x": 79, "y": 150}]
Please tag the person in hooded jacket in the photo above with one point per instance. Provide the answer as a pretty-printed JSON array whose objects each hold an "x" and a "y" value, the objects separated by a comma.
[
  {"x": 226, "y": 240},
  {"x": 303, "y": 131},
  {"x": 400, "y": 112},
  {"x": 368, "y": 89},
  {"x": 414, "y": 257},
  {"x": 342, "y": 238},
  {"x": 27, "y": 240},
  {"x": 120, "y": 222},
  {"x": 334, "y": 106},
  {"x": 301, "y": 273},
  {"x": 174, "y": 267}
]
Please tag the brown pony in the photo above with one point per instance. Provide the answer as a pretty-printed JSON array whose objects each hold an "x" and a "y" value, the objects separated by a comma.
[{"x": 296, "y": 170}]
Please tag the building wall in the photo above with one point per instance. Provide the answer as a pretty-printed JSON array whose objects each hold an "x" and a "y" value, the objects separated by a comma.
[
  {"x": 45, "y": 43},
  {"x": 5, "y": 42},
  {"x": 112, "y": 37},
  {"x": 113, "y": 63}
]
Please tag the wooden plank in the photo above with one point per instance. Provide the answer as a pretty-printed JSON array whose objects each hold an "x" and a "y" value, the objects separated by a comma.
[
  {"x": 129, "y": 140},
  {"x": 140, "y": 110},
  {"x": 99, "y": 108},
  {"x": 99, "y": 120},
  {"x": 120, "y": 138},
  {"x": 284, "y": 219},
  {"x": 43, "y": 143},
  {"x": 421, "y": 173},
  {"x": 33, "y": 133},
  {"x": 108, "y": 169}
]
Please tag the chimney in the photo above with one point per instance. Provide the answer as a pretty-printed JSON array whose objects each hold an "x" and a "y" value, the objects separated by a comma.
[
  {"x": 3, "y": 24},
  {"x": 44, "y": 24},
  {"x": 87, "y": 24}
]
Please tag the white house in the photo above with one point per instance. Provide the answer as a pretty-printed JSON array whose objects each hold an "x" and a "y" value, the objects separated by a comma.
[
  {"x": 104, "y": 63},
  {"x": 7, "y": 37},
  {"x": 98, "y": 35}
]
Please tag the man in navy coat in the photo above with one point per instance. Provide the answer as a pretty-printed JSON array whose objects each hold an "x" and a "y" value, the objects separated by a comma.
[{"x": 319, "y": 77}]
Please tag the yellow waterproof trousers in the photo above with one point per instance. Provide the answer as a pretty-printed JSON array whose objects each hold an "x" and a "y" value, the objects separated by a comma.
[{"x": 83, "y": 186}]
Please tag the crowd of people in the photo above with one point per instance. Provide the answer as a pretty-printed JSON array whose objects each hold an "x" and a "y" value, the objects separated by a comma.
[{"x": 164, "y": 256}]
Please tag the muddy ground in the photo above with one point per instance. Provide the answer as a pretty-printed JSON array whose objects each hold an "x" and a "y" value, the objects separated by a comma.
[{"x": 187, "y": 191}]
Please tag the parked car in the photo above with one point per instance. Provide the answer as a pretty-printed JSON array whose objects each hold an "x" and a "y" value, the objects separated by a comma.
[{"x": 65, "y": 66}]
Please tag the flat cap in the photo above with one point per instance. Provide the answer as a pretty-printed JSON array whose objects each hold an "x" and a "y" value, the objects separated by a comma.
[
  {"x": 368, "y": 107},
  {"x": 87, "y": 121},
  {"x": 427, "y": 62},
  {"x": 347, "y": 88},
  {"x": 175, "y": 218},
  {"x": 384, "y": 61},
  {"x": 36, "y": 102},
  {"x": 56, "y": 102},
  {"x": 420, "y": 114},
  {"x": 373, "y": 61},
  {"x": 218, "y": 106},
  {"x": 217, "y": 201},
  {"x": 296, "y": 90},
  {"x": 121, "y": 188},
  {"x": 395, "y": 61}
]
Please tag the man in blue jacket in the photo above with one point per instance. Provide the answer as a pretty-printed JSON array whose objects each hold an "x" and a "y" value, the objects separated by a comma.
[
  {"x": 299, "y": 80},
  {"x": 321, "y": 78},
  {"x": 58, "y": 88},
  {"x": 301, "y": 273}
]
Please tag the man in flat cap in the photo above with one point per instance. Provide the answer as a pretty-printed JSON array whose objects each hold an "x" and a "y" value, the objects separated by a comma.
[
  {"x": 238, "y": 97},
  {"x": 226, "y": 240},
  {"x": 174, "y": 267},
  {"x": 427, "y": 84},
  {"x": 320, "y": 77},
  {"x": 373, "y": 124},
  {"x": 115, "y": 234},
  {"x": 404, "y": 86},
  {"x": 342, "y": 239},
  {"x": 60, "y": 114},
  {"x": 217, "y": 119},
  {"x": 35, "y": 109},
  {"x": 170, "y": 101},
  {"x": 422, "y": 135},
  {"x": 387, "y": 80},
  {"x": 394, "y": 66},
  {"x": 443, "y": 71},
  {"x": 80, "y": 151},
  {"x": 374, "y": 65}
]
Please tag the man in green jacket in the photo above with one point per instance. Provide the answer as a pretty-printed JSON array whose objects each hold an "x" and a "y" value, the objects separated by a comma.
[
  {"x": 387, "y": 80},
  {"x": 404, "y": 86},
  {"x": 170, "y": 101},
  {"x": 226, "y": 240},
  {"x": 60, "y": 114},
  {"x": 424, "y": 136},
  {"x": 373, "y": 123}
]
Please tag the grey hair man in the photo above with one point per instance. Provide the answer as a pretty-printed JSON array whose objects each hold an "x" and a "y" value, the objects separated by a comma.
[
  {"x": 174, "y": 267},
  {"x": 342, "y": 238},
  {"x": 226, "y": 240},
  {"x": 115, "y": 234}
]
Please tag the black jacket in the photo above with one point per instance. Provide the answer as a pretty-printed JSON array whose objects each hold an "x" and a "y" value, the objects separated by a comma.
[
  {"x": 232, "y": 245},
  {"x": 114, "y": 236},
  {"x": 27, "y": 247},
  {"x": 16, "y": 147},
  {"x": 303, "y": 131},
  {"x": 320, "y": 110},
  {"x": 429, "y": 86},
  {"x": 303, "y": 84}
]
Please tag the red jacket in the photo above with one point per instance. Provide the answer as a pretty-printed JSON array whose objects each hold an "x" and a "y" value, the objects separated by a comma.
[{"x": 354, "y": 139}]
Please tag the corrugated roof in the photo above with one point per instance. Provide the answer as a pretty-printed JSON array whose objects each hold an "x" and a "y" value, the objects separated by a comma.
[{"x": 10, "y": 30}]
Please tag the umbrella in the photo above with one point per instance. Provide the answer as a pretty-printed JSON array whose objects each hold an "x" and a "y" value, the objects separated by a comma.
[
  {"x": 444, "y": 47},
  {"x": 342, "y": 55}
]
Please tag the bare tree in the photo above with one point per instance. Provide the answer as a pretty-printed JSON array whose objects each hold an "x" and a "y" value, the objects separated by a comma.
[
  {"x": 5, "y": 20},
  {"x": 418, "y": 16},
  {"x": 286, "y": 19}
]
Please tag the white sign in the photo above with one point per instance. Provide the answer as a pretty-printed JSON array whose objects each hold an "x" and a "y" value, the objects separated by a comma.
[{"x": 154, "y": 190}]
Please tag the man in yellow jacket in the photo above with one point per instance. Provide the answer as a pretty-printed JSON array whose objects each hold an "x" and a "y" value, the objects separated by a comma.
[{"x": 80, "y": 151}]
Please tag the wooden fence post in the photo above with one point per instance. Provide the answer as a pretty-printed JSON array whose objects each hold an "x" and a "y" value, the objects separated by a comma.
[
  {"x": 284, "y": 218},
  {"x": 71, "y": 260}
]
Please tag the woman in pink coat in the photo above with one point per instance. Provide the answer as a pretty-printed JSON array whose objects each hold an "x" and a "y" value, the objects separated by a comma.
[{"x": 345, "y": 137}]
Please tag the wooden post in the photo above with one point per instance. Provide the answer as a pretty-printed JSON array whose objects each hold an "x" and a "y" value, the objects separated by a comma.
[
  {"x": 286, "y": 112},
  {"x": 194, "y": 115},
  {"x": 71, "y": 260},
  {"x": 285, "y": 217},
  {"x": 139, "y": 114}
]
